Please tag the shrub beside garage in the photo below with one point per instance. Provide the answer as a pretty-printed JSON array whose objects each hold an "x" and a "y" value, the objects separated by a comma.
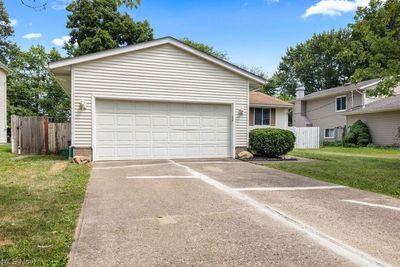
[{"x": 271, "y": 142}]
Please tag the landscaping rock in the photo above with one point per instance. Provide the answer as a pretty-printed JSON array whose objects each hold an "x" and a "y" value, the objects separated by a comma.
[
  {"x": 245, "y": 155},
  {"x": 81, "y": 160}
]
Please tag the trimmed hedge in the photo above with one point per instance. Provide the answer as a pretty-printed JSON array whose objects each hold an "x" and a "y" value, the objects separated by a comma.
[
  {"x": 271, "y": 142},
  {"x": 358, "y": 135}
]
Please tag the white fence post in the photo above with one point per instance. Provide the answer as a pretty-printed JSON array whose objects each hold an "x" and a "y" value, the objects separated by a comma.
[{"x": 306, "y": 137}]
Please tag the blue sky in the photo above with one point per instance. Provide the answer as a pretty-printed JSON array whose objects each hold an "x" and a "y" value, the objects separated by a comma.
[{"x": 252, "y": 32}]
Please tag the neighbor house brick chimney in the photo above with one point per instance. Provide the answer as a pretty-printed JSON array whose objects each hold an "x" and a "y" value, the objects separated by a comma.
[{"x": 300, "y": 91}]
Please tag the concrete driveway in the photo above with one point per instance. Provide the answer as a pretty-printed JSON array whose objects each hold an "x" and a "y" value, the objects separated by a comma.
[{"x": 213, "y": 213}]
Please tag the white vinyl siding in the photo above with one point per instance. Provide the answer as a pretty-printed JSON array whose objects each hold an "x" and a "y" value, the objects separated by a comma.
[
  {"x": 3, "y": 108},
  {"x": 157, "y": 130},
  {"x": 281, "y": 118},
  {"x": 162, "y": 73}
]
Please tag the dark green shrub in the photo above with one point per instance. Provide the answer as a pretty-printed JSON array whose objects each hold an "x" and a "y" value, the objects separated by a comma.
[
  {"x": 271, "y": 142},
  {"x": 358, "y": 135}
]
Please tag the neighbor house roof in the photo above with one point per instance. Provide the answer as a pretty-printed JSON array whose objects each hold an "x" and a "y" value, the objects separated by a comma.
[
  {"x": 342, "y": 89},
  {"x": 387, "y": 104},
  {"x": 261, "y": 99},
  {"x": 4, "y": 68},
  {"x": 64, "y": 65}
]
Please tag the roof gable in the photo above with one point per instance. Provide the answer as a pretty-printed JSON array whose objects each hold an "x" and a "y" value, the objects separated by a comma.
[{"x": 64, "y": 65}]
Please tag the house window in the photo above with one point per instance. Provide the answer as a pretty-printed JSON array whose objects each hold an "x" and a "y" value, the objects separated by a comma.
[
  {"x": 341, "y": 103},
  {"x": 262, "y": 116},
  {"x": 330, "y": 133}
]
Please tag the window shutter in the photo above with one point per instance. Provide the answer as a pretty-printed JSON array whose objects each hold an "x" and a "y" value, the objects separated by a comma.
[
  {"x": 251, "y": 117},
  {"x": 273, "y": 117}
]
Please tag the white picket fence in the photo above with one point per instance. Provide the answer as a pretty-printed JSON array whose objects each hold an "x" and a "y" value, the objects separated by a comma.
[{"x": 306, "y": 137}]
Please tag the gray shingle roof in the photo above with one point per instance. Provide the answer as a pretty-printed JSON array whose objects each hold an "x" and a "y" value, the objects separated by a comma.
[
  {"x": 340, "y": 89},
  {"x": 386, "y": 104}
]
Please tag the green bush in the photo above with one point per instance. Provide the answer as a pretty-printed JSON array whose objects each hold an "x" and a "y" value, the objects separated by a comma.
[
  {"x": 271, "y": 142},
  {"x": 358, "y": 135}
]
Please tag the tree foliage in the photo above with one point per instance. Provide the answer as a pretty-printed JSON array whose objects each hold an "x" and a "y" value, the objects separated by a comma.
[
  {"x": 42, "y": 5},
  {"x": 6, "y": 31},
  {"x": 30, "y": 88},
  {"x": 368, "y": 48},
  {"x": 205, "y": 48},
  {"x": 321, "y": 62},
  {"x": 97, "y": 25},
  {"x": 376, "y": 41}
]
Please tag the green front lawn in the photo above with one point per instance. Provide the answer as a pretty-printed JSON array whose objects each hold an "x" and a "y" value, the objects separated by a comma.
[
  {"x": 40, "y": 201},
  {"x": 372, "y": 169}
]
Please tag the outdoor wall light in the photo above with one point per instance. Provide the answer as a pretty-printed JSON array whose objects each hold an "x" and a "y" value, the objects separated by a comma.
[
  {"x": 82, "y": 105},
  {"x": 241, "y": 111}
]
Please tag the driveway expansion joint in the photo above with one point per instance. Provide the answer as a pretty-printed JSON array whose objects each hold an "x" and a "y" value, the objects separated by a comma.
[{"x": 352, "y": 254}]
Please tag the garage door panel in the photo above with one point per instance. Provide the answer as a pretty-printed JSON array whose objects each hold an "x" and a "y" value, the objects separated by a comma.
[
  {"x": 142, "y": 120},
  {"x": 124, "y": 121},
  {"x": 159, "y": 136},
  {"x": 145, "y": 130},
  {"x": 105, "y": 152},
  {"x": 104, "y": 106},
  {"x": 159, "y": 120},
  {"x": 176, "y": 121},
  {"x": 192, "y": 136},
  {"x": 105, "y": 136},
  {"x": 106, "y": 121},
  {"x": 142, "y": 136}
]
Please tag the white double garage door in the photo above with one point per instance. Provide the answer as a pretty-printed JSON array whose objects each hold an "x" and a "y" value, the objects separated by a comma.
[{"x": 127, "y": 130}]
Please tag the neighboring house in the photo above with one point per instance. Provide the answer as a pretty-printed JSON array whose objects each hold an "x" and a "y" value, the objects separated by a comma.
[
  {"x": 156, "y": 100},
  {"x": 326, "y": 109},
  {"x": 268, "y": 111},
  {"x": 382, "y": 118},
  {"x": 4, "y": 71}
]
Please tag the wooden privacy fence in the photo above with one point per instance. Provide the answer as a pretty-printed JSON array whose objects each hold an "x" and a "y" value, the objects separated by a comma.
[
  {"x": 35, "y": 135},
  {"x": 306, "y": 137}
]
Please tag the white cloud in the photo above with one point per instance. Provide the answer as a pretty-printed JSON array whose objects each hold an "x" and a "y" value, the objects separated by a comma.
[
  {"x": 13, "y": 22},
  {"x": 60, "y": 41},
  {"x": 60, "y": 4},
  {"x": 334, "y": 7},
  {"x": 32, "y": 35}
]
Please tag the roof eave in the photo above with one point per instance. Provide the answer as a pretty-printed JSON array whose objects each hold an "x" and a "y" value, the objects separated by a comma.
[
  {"x": 5, "y": 68},
  {"x": 269, "y": 105},
  {"x": 361, "y": 112},
  {"x": 362, "y": 88}
]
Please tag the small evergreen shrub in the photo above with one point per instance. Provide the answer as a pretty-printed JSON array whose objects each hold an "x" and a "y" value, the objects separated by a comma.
[
  {"x": 271, "y": 142},
  {"x": 358, "y": 135}
]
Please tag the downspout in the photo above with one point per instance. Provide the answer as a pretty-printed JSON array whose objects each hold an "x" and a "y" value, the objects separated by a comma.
[
  {"x": 363, "y": 99},
  {"x": 352, "y": 100}
]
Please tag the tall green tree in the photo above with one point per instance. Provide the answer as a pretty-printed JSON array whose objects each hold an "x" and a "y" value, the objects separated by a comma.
[
  {"x": 97, "y": 25},
  {"x": 42, "y": 5},
  {"x": 205, "y": 48},
  {"x": 31, "y": 89},
  {"x": 6, "y": 31},
  {"x": 376, "y": 42},
  {"x": 321, "y": 62}
]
